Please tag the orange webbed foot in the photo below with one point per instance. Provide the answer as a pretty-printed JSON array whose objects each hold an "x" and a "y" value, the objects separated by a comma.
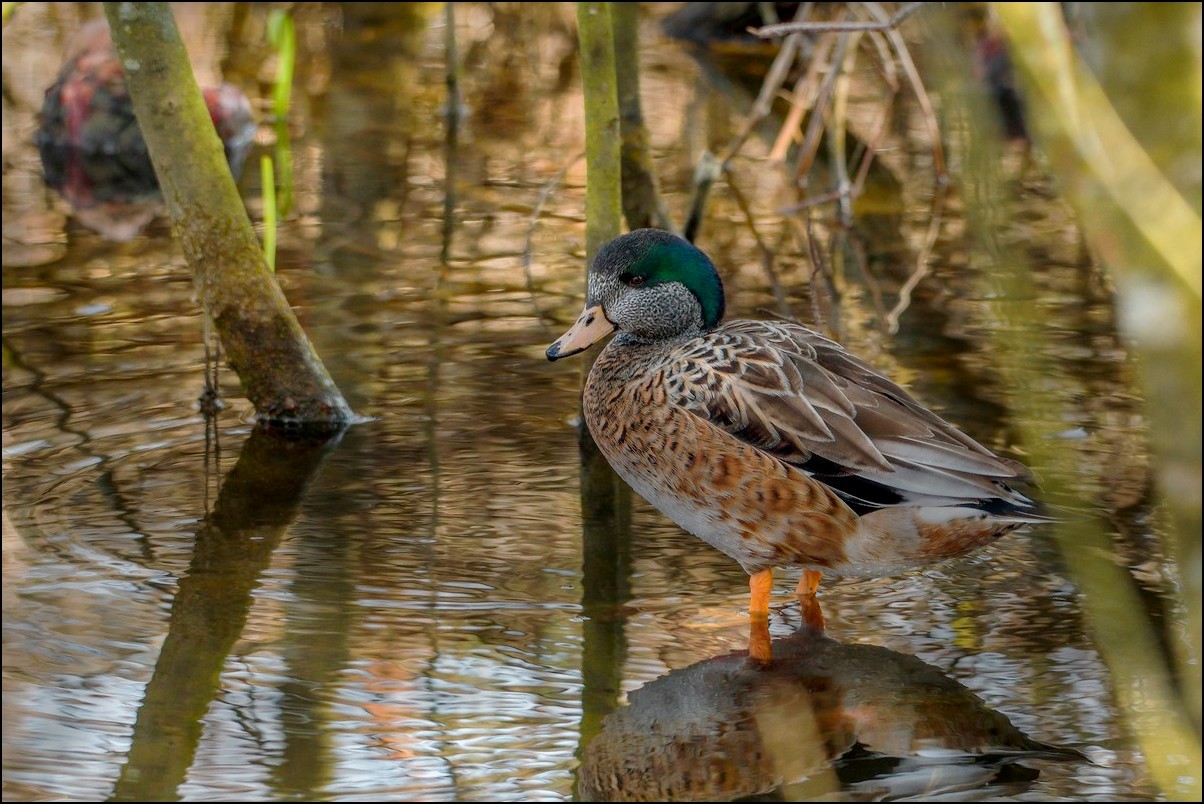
[{"x": 809, "y": 583}]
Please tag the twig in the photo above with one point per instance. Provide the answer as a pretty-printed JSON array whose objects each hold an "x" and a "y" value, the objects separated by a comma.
[
  {"x": 922, "y": 262},
  {"x": 710, "y": 166},
  {"x": 913, "y": 76},
  {"x": 889, "y": 73},
  {"x": 811, "y": 201},
  {"x": 817, "y": 267},
  {"x": 806, "y": 240},
  {"x": 777, "y": 315},
  {"x": 872, "y": 147},
  {"x": 210, "y": 401},
  {"x": 767, "y": 255},
  {"x": 862, "y": 170},
  {"x": 838, "y": 133},
  {"x": 769, "y": 89},
  {"x": 791, "y": 28},
  {"x": 805, "y": 90},
  {"x": 811, "y": 141},
  {"x": 642, "y": 202},
  {"x": 871, "y": 281},
  {"x": 544, "y": 194}
]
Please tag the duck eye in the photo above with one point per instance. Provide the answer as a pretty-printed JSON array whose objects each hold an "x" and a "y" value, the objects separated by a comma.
[{"x": 632, "y": 280}]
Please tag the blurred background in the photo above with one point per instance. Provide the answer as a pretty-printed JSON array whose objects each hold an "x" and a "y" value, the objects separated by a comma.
[{"x": 196, "y": 611}]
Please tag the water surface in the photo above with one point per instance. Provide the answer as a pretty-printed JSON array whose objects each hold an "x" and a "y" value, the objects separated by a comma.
[{"x": 194, "y": 610}]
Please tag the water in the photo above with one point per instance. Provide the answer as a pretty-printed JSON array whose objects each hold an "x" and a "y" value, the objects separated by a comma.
[{"x": 203, "y": 612}]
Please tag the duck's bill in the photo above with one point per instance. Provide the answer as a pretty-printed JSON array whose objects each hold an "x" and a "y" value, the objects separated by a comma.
[{"x": 592, "y": 326}]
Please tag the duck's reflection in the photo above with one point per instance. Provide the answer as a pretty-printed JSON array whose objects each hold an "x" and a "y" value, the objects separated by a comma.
[{"x": 821, "y": 719}]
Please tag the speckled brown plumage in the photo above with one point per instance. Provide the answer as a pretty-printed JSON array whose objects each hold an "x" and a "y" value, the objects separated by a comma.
[{"x": 697, "y": 426}]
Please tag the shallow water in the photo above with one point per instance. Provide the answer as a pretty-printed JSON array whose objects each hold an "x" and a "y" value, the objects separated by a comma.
[{"x": 202, "y": 612}]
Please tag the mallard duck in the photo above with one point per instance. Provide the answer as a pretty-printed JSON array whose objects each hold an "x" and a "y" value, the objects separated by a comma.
[{"x": 769, "y": 441}]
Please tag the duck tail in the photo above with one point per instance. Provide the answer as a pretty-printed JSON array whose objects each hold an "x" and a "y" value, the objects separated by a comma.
[{"x": 1020, "y": 510}]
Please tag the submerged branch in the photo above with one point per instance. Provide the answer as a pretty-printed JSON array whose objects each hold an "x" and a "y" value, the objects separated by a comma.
[
  {"x": 768, "y": 258},
  {"x": 917, "y": 85},
  {"x": 806, "y": 89},
  {"x": 710, "y": 167},
  {"x": 810, "y": 144},
  {"x": 603, "y": 198},
  {"x": 605, "y": 499},
  {"x": 452, "y": 133}
]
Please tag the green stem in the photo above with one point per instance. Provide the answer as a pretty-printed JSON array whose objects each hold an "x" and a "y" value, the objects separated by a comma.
[{"x": 267, "y": 178}]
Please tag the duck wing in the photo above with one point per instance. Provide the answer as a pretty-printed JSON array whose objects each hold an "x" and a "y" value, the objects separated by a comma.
[{"x": 803, "y": 399}]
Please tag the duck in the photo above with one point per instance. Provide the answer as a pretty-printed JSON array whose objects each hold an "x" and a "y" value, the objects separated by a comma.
[
  {"x": 92, "y": 149},
  {"x": 769, "y": 441}
]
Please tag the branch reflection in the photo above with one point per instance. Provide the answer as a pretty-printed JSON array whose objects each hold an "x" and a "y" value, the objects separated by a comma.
[{"x": 234, "y": 545}]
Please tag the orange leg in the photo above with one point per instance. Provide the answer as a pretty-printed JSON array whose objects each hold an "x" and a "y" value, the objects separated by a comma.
[
  {"x": 759, "y": 646},
  {"x": 760, "y": 585},
  {"x": 809, "y": 583}
]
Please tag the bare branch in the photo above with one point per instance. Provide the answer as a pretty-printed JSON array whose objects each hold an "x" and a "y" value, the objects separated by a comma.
[
  {"x": 451, "y": 140},
  {"x": 711, "y": 167},
  {"x": 863, "y": 170},
  {"x": 769, "y": 89},
  {"x": 913, "y": 76},
  {"x": 817, "y": 268},
  {"x": 803, "y": 99},
  {"x": 838, "y": 131},
  {"x": 811, "y": 140},
  {"x": 791, "y": 28}
]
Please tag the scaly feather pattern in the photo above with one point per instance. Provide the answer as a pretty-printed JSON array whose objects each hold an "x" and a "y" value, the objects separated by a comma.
[{"x": 805, "y": 400}]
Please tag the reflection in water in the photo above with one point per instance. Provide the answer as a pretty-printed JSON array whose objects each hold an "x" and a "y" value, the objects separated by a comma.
[
  {"x": 605, "y": 587},
  {"x": 92, "y": 150},
  {"x": 257, "y": 503},
  {"x": 821, "y": 717}
]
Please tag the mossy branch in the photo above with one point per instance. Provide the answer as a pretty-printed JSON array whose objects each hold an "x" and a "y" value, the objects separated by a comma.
[
  {"x": 280, "y": 372},
  {"x": 603, "y": 198},
  {"x": 605, "y": 499}
]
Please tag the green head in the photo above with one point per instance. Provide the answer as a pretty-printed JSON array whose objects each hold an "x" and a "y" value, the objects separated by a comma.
[
  {"x": 650, "y": 286},
  {"x": 656, "y": 285}
]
